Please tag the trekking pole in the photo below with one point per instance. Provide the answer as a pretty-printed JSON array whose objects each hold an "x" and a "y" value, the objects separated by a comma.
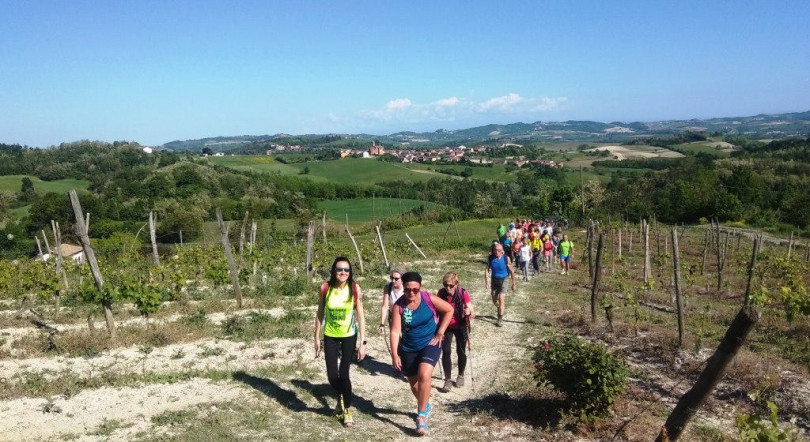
[
  {"x": 387, "y": 345},
  {"x": 469, "y": 355}
]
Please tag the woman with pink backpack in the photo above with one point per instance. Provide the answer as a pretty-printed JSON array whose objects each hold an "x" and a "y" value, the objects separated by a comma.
[{"x": 419, "y": 321}]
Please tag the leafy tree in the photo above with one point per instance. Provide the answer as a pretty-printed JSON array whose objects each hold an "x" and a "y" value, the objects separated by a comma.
[{"x": 27, "y": 193}]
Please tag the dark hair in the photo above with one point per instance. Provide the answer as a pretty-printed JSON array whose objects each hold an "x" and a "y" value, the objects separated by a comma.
[
  {"x": 411, "y": 277},
  {"x": 333, "y": 282}
]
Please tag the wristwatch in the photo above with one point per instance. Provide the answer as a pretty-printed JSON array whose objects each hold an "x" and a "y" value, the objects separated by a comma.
[{"x": 364, "y": 343}]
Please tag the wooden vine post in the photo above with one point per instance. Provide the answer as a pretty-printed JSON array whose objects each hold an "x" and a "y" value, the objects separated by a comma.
[
  {"x": 356, "y": 249},
  {"x": 676, "y": 262},
  {"x": 57, "y": 237},
  {"x": 589, "y": 245},
  {"x": 596, "y": 273},
  {"x": 82, "y": 233},
  {"x": 645, "y": 233},
  {"x": 323, "y": 226},
  {"x": 415, "y": 246},
  {"x": 310, "y": 244},
  {"x": 716, "y": 366},
  {"x": 153, "y": 238},
  {"x": 226, "y": 246},
  {"x": 382, "y": 245}
]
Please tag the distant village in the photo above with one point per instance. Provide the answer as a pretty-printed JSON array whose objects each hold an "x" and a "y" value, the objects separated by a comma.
[{"x": 460, "y": 154}]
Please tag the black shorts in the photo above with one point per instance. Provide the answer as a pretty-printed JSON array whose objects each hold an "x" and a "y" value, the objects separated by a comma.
[
  {"x": 496, "y": 286},
  {"x": 411, "y": 359}
]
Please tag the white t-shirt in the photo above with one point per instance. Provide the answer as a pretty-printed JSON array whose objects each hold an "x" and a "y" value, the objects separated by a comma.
[
  {"x": 525, "y": 252},
  {"x": 394, "y": 294}
]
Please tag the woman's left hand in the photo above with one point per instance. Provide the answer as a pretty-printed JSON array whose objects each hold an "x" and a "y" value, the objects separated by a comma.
[{"x": 361, "y": 352}]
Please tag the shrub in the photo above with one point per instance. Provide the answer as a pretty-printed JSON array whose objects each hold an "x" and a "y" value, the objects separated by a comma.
[
  {"x": 587, "y": 374},
  {"x": 755, "y": 428}
]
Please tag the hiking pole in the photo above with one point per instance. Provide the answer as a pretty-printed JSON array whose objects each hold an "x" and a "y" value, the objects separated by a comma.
[
  {"x": 387, "y": 345},
  {"x": 469, "y": 354}
]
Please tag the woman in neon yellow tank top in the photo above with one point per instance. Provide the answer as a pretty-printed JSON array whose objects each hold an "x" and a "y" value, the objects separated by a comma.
[{"x": 340, "y": 313}]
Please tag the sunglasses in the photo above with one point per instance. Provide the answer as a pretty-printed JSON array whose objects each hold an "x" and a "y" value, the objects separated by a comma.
[
  {"x": 413, "y": 290},
  {"x": 449, "y": 286},
  {"x": 395, "y": 278},
  {"x": 343, "y": 269}
]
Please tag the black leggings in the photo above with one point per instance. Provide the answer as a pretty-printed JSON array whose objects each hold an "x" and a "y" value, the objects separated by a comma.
[
  {"x": 339, "y": 376},
  {"x": 461, "y": 350}
]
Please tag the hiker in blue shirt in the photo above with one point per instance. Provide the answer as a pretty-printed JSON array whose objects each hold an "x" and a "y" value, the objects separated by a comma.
[{"x": 416, "y": 338}]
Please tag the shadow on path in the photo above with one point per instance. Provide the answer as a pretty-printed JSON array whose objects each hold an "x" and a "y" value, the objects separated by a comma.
[
  {"x": 493, "y": 320},
  {"x": 323, "y": 393},
  {"x": 377, "y": 368},
  {"x": 537, "y": 412}
]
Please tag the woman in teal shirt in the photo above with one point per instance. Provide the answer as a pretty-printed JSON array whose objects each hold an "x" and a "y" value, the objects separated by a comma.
[{"x": 416, "y": 338}]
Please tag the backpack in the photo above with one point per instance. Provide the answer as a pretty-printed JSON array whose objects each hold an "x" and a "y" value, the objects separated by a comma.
[
  {"x": 425, "y": 297},
  {"x": 458, "y": 303}
]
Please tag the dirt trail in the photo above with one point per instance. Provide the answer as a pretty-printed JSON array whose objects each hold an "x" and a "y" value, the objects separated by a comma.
[
  {"x": 384, "y": 406},
  {"x": 276, "y": 389}
]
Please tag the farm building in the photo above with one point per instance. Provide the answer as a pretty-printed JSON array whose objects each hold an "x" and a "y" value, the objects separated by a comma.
[{"x": 71, "y": 251}]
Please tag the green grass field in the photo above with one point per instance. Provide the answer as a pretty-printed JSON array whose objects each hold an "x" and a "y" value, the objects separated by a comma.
[
  {"x": 354, "y": 170},
  {"x": 256, "y": 163},
  {"x": 703, "y": 147},
  {"x": 12, "y": 183},
  {"x": 368, "y": 209},
  {"x": 495, "y": 173}
]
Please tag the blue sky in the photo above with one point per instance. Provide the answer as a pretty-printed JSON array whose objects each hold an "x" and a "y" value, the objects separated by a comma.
[{"x": 157, "y": 71}]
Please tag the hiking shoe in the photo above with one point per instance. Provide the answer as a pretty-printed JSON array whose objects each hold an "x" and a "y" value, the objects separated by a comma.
[
  {"x": 348, "y": 422},
  {"x": 448, "y": 384},
  {"x": 500, "y": 322},
  {"x": 460, "y": 381},
  {"x": 421, "y": 423},
  {"x": 339, "y": 409},
  {"x": 562, "y": 272}
]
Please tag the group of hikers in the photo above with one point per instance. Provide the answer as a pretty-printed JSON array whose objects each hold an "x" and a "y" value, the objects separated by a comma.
[{"x": 422, "y": 325}]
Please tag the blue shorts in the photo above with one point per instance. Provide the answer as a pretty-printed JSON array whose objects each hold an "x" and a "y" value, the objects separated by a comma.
[
  {"x": 565, "y": 258},
  {"x": 411, "y": 359}
]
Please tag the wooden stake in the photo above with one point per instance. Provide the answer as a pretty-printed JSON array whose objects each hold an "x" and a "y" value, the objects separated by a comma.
[
  {"x": 676, "y": 263},
  {"x": 226, "y": 246},
  {"x": 596, "y": 275},
  {"x": 417, "y": 247},
  {"x": 152, "y": 237},
  {"x": 81, "y": 232},
  {"x": 356, "y": 249},
  {"x": 310, "y": 244},
  {"x": 382, "y": 245}
]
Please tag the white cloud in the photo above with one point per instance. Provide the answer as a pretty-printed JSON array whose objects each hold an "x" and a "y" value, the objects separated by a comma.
[
  {"x": 399, "y": 103},
  {"x": 451, "y": 109},
  {"x": 451, "y": 101},
  {"x": 550, "y": 103},
  {"x": 503, "y": 103}
]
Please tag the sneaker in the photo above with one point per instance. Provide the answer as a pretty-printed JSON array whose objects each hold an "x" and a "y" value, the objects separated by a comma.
[
  {"x": 460, "y": 381},
  {"x": 448, "y": 385},
  {"x": 500, "y": 321},
  {"x": 562, "y": 272},
  {"x": 348, "y": 422},
  {"x": 339, "y": 409},
  {"x": 421, "y": 423}
]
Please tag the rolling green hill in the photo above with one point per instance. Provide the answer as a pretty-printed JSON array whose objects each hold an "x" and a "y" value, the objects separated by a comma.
[{"x": 12, "y": 183}]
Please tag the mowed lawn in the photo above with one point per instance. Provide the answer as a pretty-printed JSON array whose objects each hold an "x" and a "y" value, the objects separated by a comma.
[
  {"x": 256, "y": 163},
  {"x": 350, "y": 170},
  {"x": 13, "y": 183},
  {"x": 368, "y": 209}
]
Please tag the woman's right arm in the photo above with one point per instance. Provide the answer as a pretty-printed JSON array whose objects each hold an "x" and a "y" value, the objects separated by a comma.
[
  {"x": 384, "y": 310},
  {"x": 394, "y": 336},
  {"x": 318, "y": 325}
]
